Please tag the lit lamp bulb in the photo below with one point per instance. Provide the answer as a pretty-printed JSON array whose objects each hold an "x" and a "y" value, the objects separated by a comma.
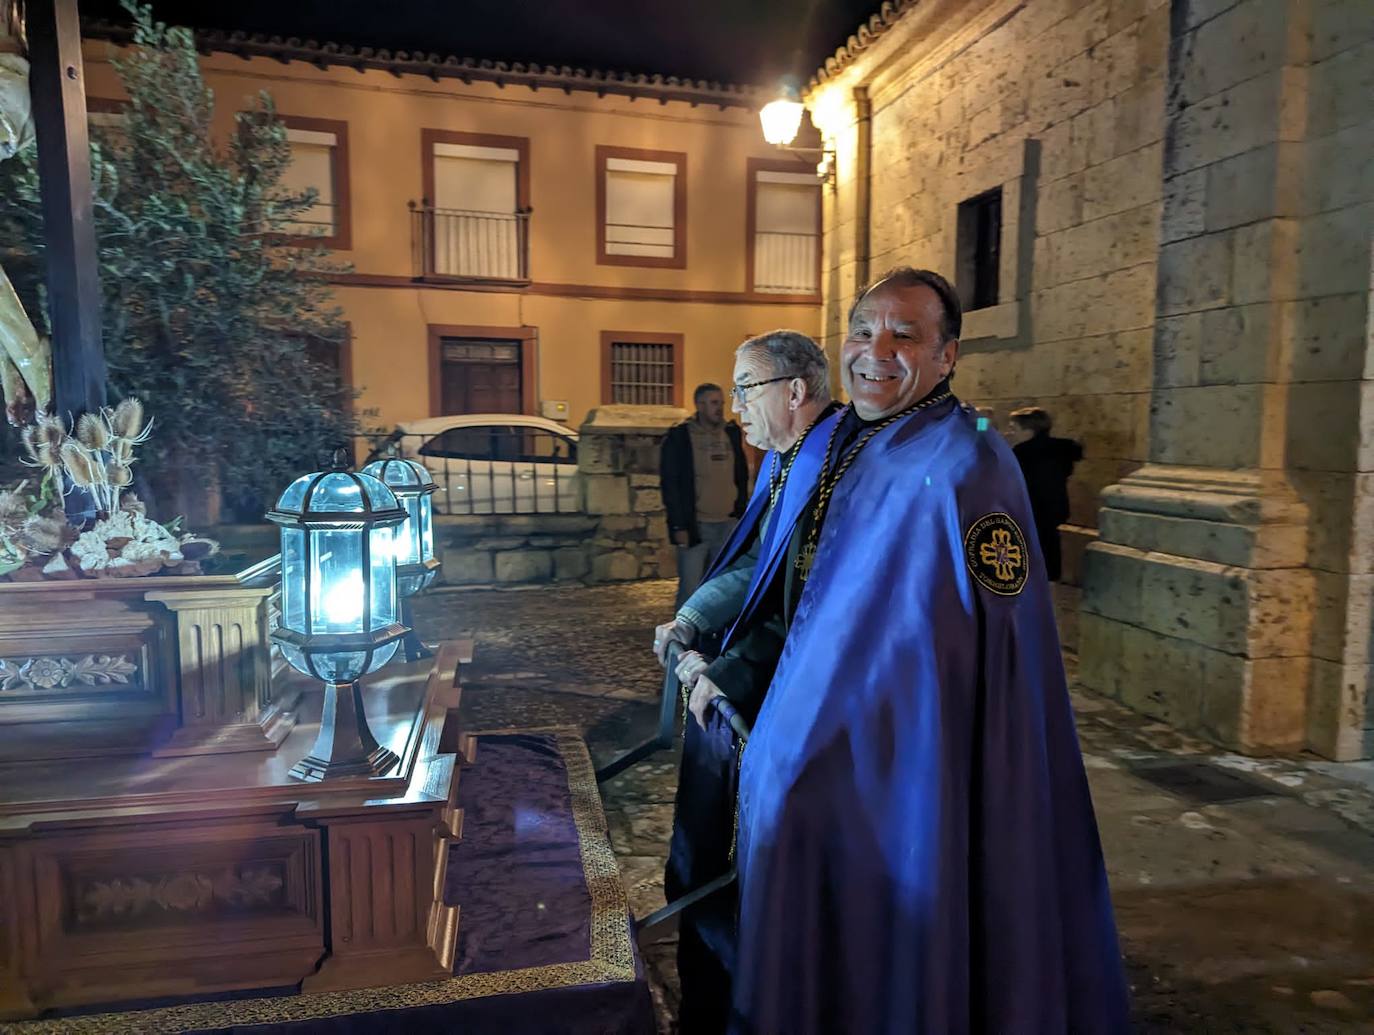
[
  {"x": 781, "y": 119},
  {"x": 343, "y": 602}
]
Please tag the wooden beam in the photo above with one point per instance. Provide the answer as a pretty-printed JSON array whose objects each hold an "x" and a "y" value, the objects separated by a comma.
[{"x": 56, "y": 82}]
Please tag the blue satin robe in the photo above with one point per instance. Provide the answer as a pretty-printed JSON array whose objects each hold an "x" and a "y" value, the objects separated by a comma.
[
  {"x": 917, "y": 846},
  {"x": 705, "y": 803}
]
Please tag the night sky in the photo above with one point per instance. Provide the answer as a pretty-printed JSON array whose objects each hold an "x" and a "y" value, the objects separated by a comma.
[{"x": 737, "y": 41}]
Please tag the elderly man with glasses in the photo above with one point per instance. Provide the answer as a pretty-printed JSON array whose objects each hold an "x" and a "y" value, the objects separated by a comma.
[{"x": 781, "y": 394}]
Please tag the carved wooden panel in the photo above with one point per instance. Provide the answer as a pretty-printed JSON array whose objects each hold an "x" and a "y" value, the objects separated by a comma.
[
  {"x": 171, "y": 910},
  {"x": 45, "y": 673},
  {"x": 86, "y": 670}
]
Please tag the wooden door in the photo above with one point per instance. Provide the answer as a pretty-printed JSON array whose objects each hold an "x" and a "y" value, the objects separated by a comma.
[{"x": 480, "y": 376}]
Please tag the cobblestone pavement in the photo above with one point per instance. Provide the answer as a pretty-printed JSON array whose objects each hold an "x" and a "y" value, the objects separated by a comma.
[{"x": 1244, "y": 888}]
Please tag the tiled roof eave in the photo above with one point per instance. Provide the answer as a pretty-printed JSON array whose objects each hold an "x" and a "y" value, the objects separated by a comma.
[
  {"x": 434, "y": 66},
  {"x": 864, "y": 37}
]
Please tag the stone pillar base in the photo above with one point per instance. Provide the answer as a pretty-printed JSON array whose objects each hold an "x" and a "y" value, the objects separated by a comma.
[{"x": 1197, "y": 608}]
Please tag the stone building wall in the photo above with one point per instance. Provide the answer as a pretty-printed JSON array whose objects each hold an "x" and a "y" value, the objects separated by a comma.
[
  {"x": 1230, "y": 591},
  {"x": 1061, "y": 104}
]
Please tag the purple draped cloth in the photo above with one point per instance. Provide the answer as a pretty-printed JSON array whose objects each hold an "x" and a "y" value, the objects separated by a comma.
[{"x": 917, "y": 847}]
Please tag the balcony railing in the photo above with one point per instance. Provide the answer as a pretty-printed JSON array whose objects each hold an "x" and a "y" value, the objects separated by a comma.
[
  {"x": 468, "y": 244},
  {"x": 785, "y": 263}
]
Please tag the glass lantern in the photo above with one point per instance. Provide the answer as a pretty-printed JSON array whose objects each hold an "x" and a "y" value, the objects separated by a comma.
[
  {"x": 339, "y": 607},
  {"x": 414, "y": 488},
  {"x": 781, "y": 120}
]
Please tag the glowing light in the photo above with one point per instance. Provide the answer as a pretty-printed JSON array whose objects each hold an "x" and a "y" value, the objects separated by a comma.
[
  {"x": 781, "y": 120},
  {"x": 343, "y": 601}
]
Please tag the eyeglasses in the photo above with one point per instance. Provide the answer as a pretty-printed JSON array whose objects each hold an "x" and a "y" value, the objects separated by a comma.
[{"x": 738, "y": 391}]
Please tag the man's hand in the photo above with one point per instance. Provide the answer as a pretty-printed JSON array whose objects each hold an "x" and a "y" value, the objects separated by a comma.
[
  {"x": 702, "y": 696},
  {"x": 690, "y": 665},
  {"x": 676, "y": 631},
  {"x": 681, "y": 538}
]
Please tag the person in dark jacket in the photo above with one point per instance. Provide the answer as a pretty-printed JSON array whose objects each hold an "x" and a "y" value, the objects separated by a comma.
[
  {"x": 1046, "y": 462},
  {"x": 705, "y": 483}
]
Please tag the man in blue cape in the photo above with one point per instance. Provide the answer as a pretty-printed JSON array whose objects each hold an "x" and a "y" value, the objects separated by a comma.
[
  {"x": 917, "y": 848},
  {"x": 781, "y": 392}
]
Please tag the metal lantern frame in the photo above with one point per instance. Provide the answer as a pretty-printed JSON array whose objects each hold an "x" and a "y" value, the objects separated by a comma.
[
  {"x": 412, "y": 482},
  {"x": 345, "y": 745}
]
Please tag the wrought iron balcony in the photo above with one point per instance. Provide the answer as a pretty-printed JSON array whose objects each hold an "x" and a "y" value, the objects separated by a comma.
[{"x": 469, "y": 245}]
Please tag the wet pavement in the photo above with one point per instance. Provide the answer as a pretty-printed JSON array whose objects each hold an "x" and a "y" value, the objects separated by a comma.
[{"x": 1244, "y": 888}]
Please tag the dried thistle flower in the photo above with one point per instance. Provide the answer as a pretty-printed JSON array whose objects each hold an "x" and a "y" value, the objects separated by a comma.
[
  {"x": 51, "y": 430},
  {"x": 45, "y": 535},
  {"x": 127, "y": 421},
  {"x": 79, "y": 467},
  {"x": 119, "y": 475},
  {"x": 43, "y": 442},
  {"x": 14, "y": 508},
  {"x": 123, "y": 451},
  {"x": 92, "y": 431}
]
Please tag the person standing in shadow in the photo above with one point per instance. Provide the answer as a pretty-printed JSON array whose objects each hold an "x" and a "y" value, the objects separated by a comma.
[{"x": 1046, "y": 462}]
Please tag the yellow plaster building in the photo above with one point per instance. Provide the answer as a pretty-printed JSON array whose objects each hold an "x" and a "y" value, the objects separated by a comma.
[{"x": 530, "y": 240}]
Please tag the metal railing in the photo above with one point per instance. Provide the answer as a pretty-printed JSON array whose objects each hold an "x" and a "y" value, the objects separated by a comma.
[
  {"x": 485, "y": 470},
  {"x": 785, "y": 263},
  {"x": 643, "y": 239},
  {"x": 462, "y": 243}
]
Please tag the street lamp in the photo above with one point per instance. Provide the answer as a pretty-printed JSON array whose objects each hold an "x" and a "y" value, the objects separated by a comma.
[
  {"x": 338, "y": 607},
  {"x": 415, "y": 563},
  {"x": 781, "y": 119}
]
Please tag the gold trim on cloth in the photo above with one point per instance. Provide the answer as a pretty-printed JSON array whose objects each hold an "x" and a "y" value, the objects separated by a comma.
[{"x": 610, "y": 952}]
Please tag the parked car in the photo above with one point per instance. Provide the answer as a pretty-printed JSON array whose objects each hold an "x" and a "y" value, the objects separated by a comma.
[{"x": 492, "y": 463}]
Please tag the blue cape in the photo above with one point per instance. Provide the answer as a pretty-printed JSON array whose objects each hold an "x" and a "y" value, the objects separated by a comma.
[
  {"x": 796, "y": 492},
  {"x": 917, "y": 847},
  {"x": 705, "y": 803}
]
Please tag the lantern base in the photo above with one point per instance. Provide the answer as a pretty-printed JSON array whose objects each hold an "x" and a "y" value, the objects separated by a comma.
[{"x": 345, "y": 745}]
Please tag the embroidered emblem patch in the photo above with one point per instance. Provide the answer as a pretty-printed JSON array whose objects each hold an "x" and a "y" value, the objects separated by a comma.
[{"x": 996, "y": 553}]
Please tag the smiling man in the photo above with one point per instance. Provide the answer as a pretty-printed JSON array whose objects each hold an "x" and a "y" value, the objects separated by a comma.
[{"x": 917, "y": 849}]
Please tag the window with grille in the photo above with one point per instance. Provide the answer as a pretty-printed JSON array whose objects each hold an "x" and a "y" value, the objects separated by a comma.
[
  {"x": 319, "y": 163},
  {"x": 641, "y": 207},
  {"x": 784, "y": 214},
  {"x": 642, "y": 373},
  {"x": 979, "y": 250}
]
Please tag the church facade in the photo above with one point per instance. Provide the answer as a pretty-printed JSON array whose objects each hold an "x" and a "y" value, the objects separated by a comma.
[{"x": 1158, "y": 214}]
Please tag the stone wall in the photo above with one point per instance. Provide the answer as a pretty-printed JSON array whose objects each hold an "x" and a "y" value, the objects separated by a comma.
[
  {"x": 1061, "y": 104},
  {"x": 1230, "y": 590}
]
